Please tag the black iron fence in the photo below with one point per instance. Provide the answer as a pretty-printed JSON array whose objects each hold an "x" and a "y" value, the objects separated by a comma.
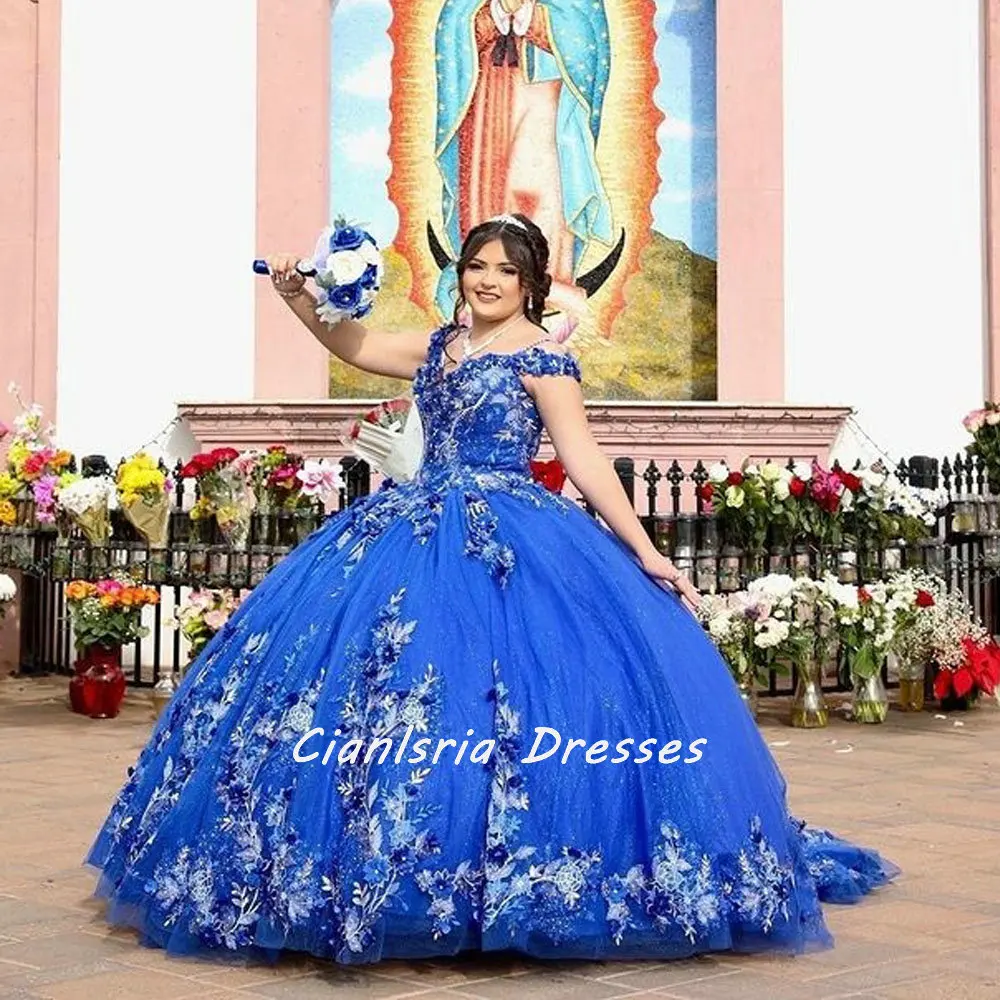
[{"x": 963, "y": 547}]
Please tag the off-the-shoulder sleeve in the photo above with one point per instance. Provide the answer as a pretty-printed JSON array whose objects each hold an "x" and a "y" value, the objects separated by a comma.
[{"x": 538, "y": 361}]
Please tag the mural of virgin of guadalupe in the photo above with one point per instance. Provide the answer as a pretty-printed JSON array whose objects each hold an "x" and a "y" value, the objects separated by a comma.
[{"x": 520, "y": 92}]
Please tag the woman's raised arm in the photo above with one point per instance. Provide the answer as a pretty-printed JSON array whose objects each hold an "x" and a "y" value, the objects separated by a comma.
[{"x": 395, "y": 354}]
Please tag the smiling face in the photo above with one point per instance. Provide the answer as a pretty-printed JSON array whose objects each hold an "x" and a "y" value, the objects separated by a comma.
[{"x": 491, "y": 284}]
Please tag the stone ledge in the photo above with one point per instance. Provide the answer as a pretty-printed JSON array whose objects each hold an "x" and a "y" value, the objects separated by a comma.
[{"x": 642, "y": 431}]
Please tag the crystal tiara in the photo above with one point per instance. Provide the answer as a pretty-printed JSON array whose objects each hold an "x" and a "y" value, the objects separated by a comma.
[{"x": 509, "y": 220}]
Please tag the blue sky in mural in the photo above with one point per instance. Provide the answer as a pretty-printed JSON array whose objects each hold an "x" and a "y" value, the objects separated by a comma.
[{"x": 685, "y": 206}]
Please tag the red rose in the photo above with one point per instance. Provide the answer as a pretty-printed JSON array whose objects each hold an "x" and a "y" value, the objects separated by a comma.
[
  {"x": 706, "y": 492},
  {"x": 223, "y": 456},
  {"x": 850, "y": 481},
  {"x": 924, "y": 599},
  {"x": 199, "y": 465},
  {"x": 735, "y": 479},
  {"x": 796, "y": 486},
  {"x": 863, "y": 596},
  {"x": 550, "y": 474}
]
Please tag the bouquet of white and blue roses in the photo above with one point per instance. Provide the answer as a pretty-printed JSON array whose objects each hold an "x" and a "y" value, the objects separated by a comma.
[{"x": 349, "y": 272}]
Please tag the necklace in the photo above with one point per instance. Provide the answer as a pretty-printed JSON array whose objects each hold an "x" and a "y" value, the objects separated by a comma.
[{"x": 468, "y": 350}]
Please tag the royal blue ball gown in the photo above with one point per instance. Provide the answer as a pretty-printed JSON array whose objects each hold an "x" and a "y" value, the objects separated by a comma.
[{"x": 282, "y": 801}]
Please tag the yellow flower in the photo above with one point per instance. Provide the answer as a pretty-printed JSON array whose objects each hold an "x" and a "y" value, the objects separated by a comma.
[
  {"x": 9, "y": 486},
  {"x": 17, "y": 455},
  {"x": 8, "y": 512},
  {"x": 202, "y": 508},
  {"x": 68, "y": 478},
  {"x": 140, "y": 478}
]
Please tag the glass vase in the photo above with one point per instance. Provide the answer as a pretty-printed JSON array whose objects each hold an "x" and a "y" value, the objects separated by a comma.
[
  {"x": 869, "y": 700},
  {"x": 911, "y": 686},
  {"x": 746, "y": 684},
  {"x": 809, "y": 709}
]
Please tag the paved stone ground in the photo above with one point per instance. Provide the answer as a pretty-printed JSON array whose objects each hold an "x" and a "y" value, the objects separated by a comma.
[{"x": 921, "y": 789}]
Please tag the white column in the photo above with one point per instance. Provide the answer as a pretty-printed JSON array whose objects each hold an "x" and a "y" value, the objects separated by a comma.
[
  {"x": 157, "y": 214},
  {"x": 884, "y": 277}
]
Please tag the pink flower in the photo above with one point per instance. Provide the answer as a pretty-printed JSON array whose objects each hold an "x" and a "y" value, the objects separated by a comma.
[
  {"x": 319, "y": 479},
  {"x": 974, "y": 420},
  {"x": 201, "y": 599},
  {"x": 109, "y": 587},
  {"x": 43, "y": 492},
  {"x": 826, "y": 488},
  {"x": 216, "y": 619},
  {"x": 246, "y": 463}
]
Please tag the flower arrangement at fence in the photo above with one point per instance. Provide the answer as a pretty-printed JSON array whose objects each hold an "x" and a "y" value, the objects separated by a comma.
[
  {"x": 274, "y": 477},
  {"x": 760, "y": 629},
  {"x": 8, "y": 591},
  {"x": 108, "y": 612},
  {"x": 887, "y": 509},
  {"x": 984, "y": 426},
  {"x": 746, "y": 501},
  {"x": 941, "y": 629},
  {"x": 203, "y": 614},
  {"x": 87, "y": 502},
  {"x": 224, "y": 492},
  {"x": 34, "y": 462},
  {"x": 144, "y": 492},
  {"x": 320, "y": 479}
]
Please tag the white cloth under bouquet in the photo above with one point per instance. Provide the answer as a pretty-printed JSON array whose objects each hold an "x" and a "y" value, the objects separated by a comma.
[{"x": 390, "y": 438}]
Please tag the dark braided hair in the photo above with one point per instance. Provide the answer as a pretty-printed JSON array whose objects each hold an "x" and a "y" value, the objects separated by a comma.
[{"x": 527, "y": 249}]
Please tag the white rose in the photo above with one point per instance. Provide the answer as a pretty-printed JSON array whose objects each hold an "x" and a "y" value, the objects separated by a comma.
[
  {"x": 803, "y": 470},
  {"x": 770, "y": 472},
  {"x": 781, "y": 490},
  {"x": 345, "y": 266},
  {"x": 735, "y": 496},
  {"x": 993, "y": 418},
  {"x": 751, "y": 470},
  {"x": 8, "y": 590},
  {"x": 718, "y": 473}
]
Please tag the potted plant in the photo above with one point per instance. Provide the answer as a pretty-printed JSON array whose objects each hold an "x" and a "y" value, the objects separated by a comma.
[{"x": 105, "y": 615}]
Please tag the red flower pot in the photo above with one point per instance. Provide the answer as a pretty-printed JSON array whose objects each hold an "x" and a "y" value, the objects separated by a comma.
[{"x": 97, "y": 689}]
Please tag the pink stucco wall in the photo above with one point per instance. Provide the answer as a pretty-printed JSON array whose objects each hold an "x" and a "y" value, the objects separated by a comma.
[{"x": 29, "y": 200}]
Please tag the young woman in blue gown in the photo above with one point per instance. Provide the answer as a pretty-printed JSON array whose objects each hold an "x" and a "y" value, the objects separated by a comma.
[{"x": 590, "y": 785}]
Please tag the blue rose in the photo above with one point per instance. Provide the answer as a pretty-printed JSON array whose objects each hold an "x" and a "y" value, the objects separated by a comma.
[
  {"x": 346, "y": 296},
  {"x": 347, "y": 238},
  {"x": 370, "y": 278},
  {"x": 363, "y": 311}
]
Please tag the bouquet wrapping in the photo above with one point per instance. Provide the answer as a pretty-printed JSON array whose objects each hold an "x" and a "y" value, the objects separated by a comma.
[{"x": 390, "y": 438}]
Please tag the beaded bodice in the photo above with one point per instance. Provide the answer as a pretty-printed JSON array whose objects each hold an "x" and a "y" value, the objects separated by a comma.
[{"x": 479, "y": 416}]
